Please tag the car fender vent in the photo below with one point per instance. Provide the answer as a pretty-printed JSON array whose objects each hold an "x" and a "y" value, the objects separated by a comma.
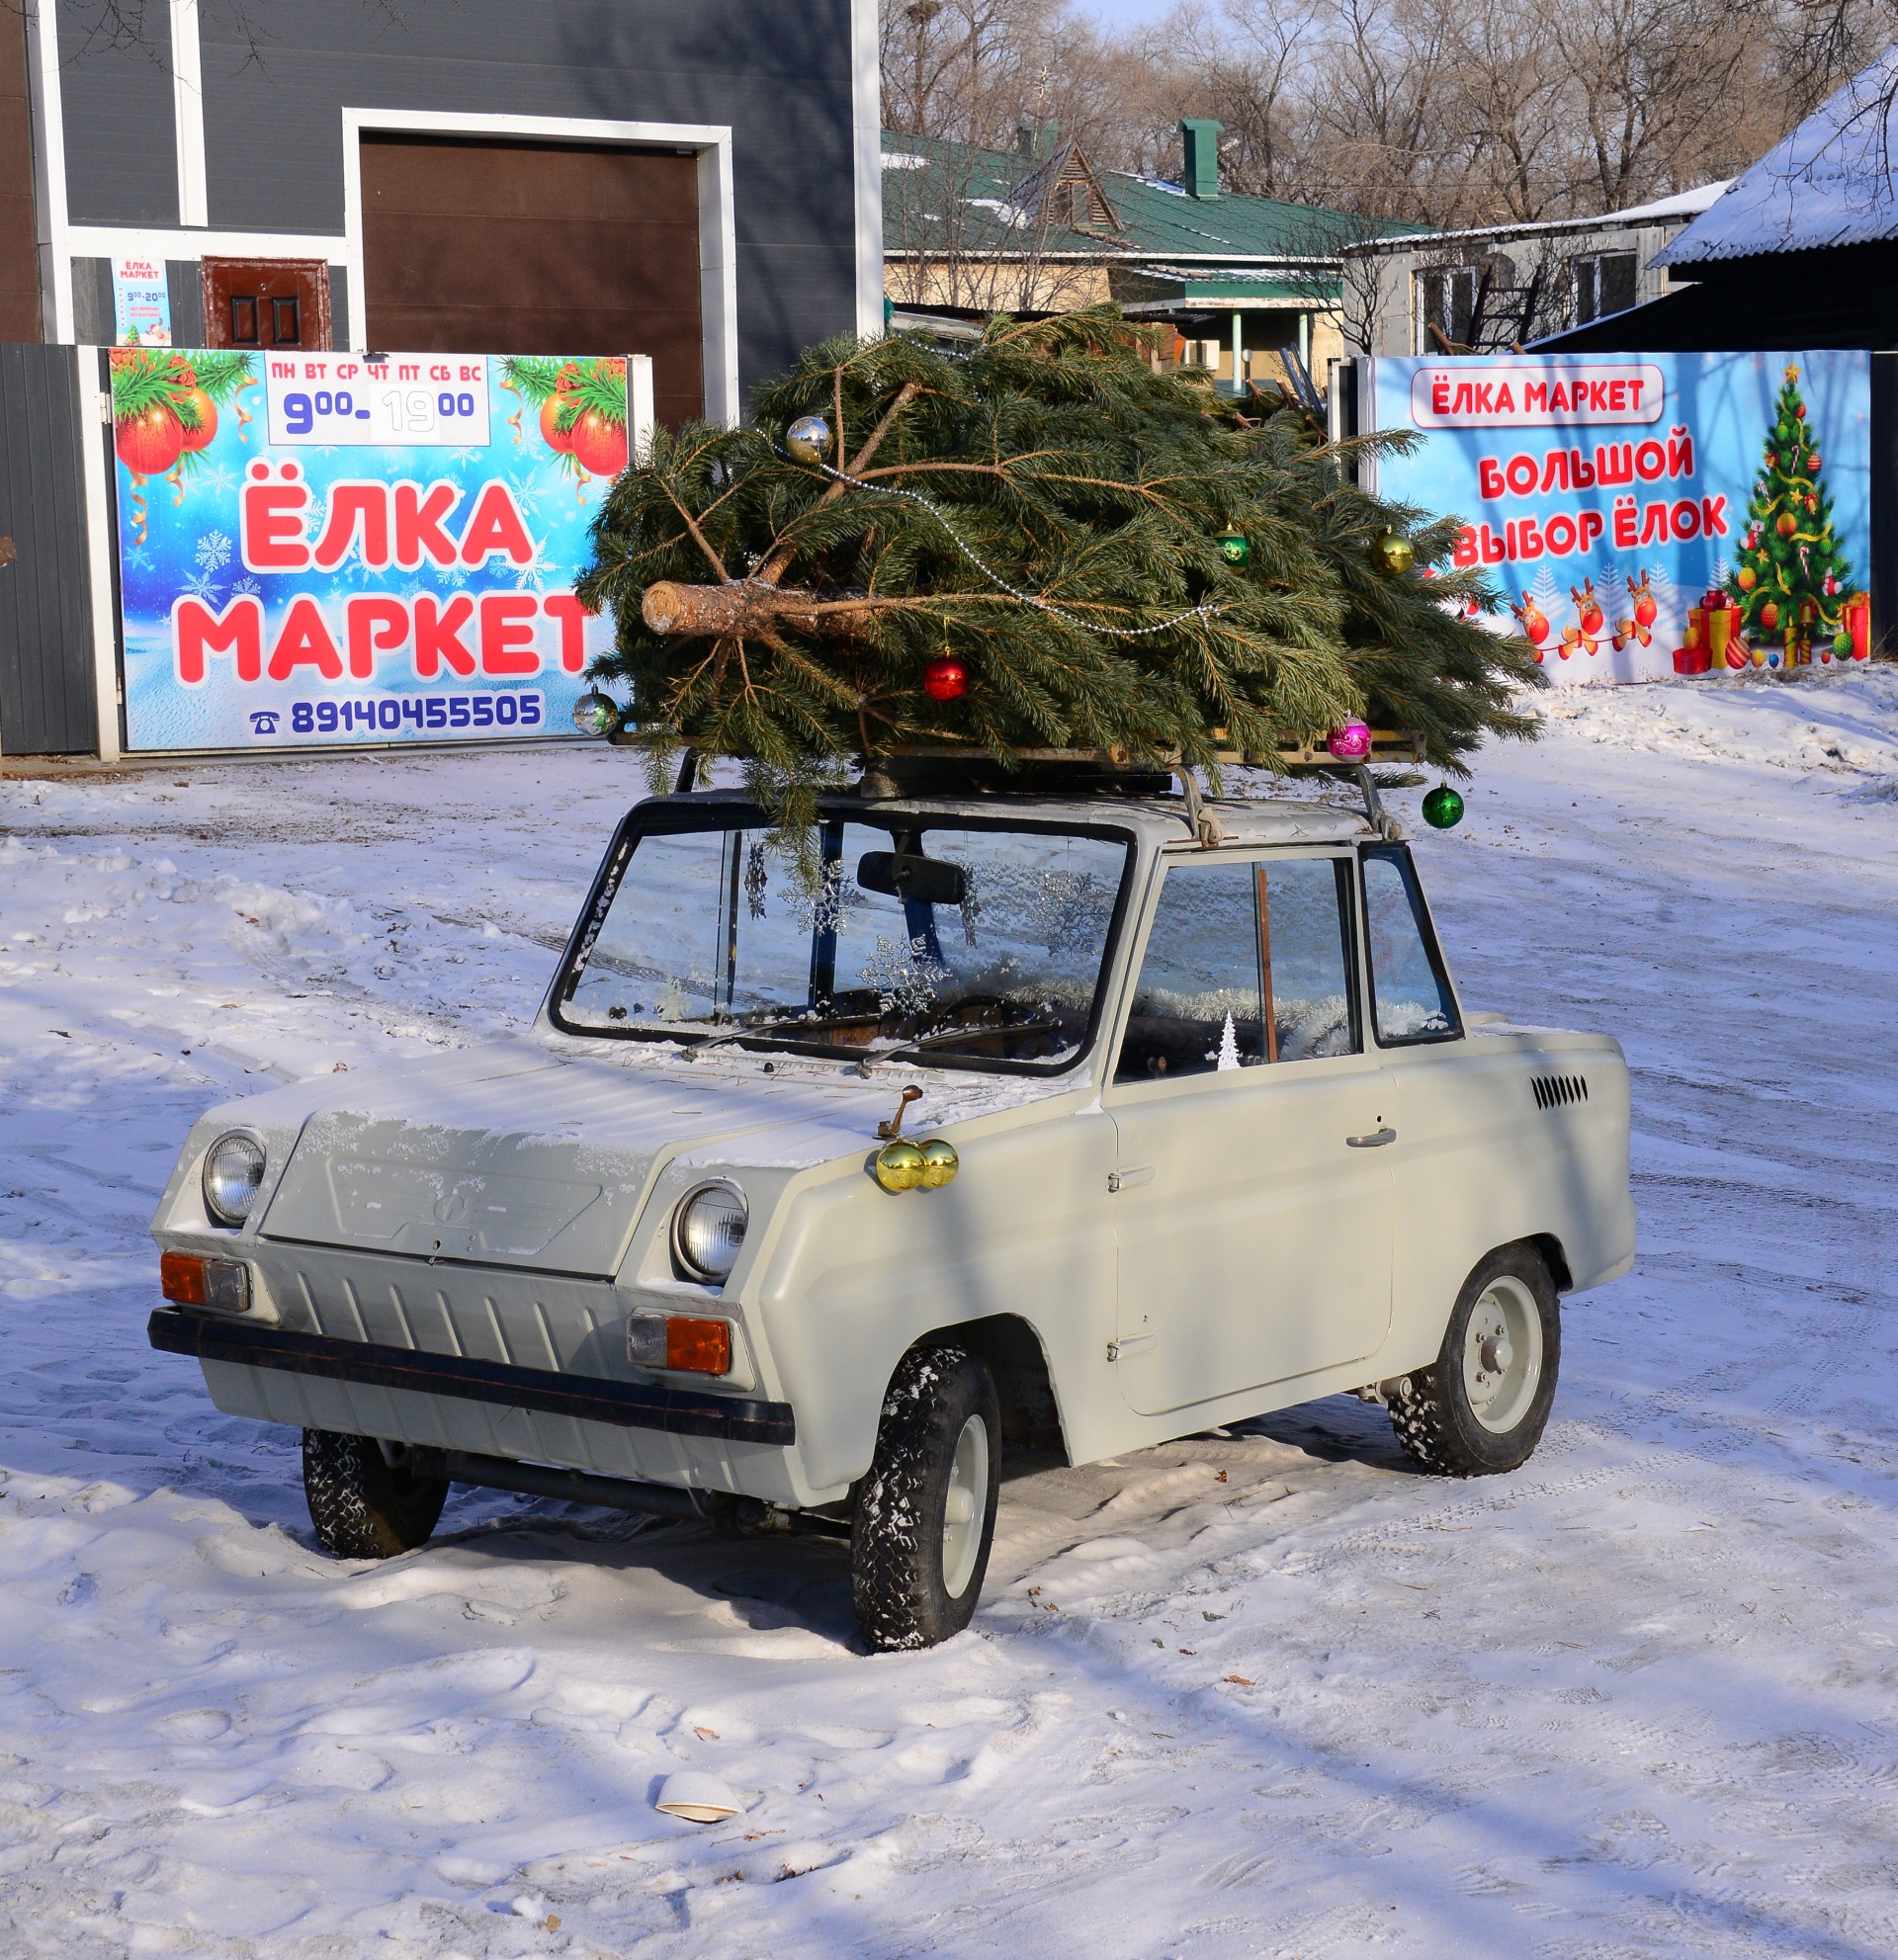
[{"x": 1557, "y": 1091}]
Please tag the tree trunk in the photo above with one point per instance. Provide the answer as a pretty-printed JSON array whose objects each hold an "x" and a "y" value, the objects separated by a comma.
[{"x": 745, "y": 606}]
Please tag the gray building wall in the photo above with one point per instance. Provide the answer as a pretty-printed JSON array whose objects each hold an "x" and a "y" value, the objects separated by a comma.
[
  {"x": 777, "y": 71},
  {"x": 1387, "y": 279}
]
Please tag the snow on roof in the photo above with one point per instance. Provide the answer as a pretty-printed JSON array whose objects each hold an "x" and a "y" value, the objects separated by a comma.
[
  {"x": 1830, "y": 183},
  {"x": 1684, "y": 203}
]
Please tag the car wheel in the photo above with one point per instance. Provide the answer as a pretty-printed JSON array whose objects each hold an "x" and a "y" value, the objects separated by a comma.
[
  {"x": 362, "y": 1505},
  {"x": 1482, "y": 1404},
  {"x": 926, "y": 1514}
]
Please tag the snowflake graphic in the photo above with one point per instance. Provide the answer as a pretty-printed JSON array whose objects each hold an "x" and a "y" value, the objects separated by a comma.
[
  {"x": 214, "y": 552},
  {"x": 220, "y": 477},
  {"x": 245, "y": 588},
  {"x": 903, "y": 975},
  {"x": 204, "y": 586},
  {"x": 465, "y": 455},
  {"x": 138, "y": 558}
]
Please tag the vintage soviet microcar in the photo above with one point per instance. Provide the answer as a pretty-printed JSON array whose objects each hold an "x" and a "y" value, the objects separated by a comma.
[{"x": 1063, "y": 1120}]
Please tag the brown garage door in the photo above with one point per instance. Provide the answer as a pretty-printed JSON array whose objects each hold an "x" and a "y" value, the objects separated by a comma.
[{"x": 482, "y": 247}]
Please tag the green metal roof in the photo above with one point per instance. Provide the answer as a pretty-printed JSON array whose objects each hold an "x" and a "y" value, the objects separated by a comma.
[{"x": 956, "y": 196}]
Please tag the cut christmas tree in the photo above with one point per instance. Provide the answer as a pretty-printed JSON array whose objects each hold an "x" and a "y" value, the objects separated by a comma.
[
  {"x": 1027, "y": 548},
  {"x": 1793, "y": 581}
]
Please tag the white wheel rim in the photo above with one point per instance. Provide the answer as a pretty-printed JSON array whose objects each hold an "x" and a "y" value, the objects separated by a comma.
[
  {"x": 964, "y": 1506},
  {"x": 1502, "y": 1355}
]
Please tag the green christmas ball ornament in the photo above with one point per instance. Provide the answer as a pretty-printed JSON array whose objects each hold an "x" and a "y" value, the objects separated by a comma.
[
  {"x": 1236, "y": 548},
  {"x": 1443, "y": 807},
  {"x": 596, "y": 714},
  {"x": 1392, "y": 554},
  {"x": 809, "y": 438},
  {"x": 1842, "y": 646}
]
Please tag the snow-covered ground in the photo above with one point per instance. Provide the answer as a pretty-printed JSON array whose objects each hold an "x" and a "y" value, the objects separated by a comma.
[{"x": 1262, "y": 1693}]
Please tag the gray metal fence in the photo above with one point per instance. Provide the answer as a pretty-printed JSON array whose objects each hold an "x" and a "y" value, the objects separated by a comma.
[{"x": 48, "y": 692}]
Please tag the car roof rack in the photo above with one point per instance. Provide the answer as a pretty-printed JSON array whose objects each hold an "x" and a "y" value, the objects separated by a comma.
[{"x": 1118, "y": 772}]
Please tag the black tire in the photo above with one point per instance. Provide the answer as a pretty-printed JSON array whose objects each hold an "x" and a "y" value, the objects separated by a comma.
[
  {"x": 1432, "y": 1411},
  {"x": 896, "y": 1533},
  {"x": 362, "y": 1505}
]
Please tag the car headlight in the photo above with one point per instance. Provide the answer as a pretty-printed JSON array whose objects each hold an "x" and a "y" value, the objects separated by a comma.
[
  {"x": 708, "y": 1231},
  {"x": 233, "y": 1170}
]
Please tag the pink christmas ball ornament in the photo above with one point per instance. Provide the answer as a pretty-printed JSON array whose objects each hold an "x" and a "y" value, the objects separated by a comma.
[{"x": 1351, "y": 743}]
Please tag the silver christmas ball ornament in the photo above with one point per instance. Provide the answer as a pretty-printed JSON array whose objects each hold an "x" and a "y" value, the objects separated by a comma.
[
  {"x": 596, "y": 714},
  {"x": 809, "y": 438}
]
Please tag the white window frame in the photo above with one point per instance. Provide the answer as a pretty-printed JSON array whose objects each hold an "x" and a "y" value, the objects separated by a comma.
[{"x": 717, "y": 246}]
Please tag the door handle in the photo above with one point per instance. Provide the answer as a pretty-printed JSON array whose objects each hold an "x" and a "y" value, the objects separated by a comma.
[
  {"x": 1125, "y": 1180},
  {"x": 1372, "y": 1140}
]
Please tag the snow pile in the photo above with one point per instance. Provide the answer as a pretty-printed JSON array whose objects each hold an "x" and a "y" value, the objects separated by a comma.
[
  {"x": 1844, "y": 723},
  {"x": 1256, "y": 1693}
]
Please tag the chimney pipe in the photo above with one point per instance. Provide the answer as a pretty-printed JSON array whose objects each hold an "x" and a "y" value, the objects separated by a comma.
[{"x": 1199, "y": 143}]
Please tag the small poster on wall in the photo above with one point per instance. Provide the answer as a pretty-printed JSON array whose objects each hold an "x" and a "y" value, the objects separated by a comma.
[
  {"x": 141, "y": 303},
  {"x": 1651, "y": 514},
  {"x": 319, "y": 548}
]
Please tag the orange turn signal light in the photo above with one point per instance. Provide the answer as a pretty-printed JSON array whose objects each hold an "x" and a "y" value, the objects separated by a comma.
[
  {"x": 701, "y": 1347},
  {"x": 189, "y": 1280}
]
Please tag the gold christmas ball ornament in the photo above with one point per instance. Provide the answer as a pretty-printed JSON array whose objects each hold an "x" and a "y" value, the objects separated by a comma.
[
  {"x": 808, "y": 439},
  {"x": 901, "y": 1166},
  {"x": 1392, "y": 554},
  {"x": 939, "y": 1162}
]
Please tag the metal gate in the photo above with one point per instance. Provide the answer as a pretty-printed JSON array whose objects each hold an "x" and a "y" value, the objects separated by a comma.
[{"x": 47, "y": 691}]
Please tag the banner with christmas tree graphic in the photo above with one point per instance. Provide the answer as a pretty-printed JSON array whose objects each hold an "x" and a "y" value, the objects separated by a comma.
[
  {"x": 322, "y": 549},
  {"x": 1657, "y": 514}
]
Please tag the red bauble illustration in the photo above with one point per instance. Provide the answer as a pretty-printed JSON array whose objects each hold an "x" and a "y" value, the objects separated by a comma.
[
  {"x": 150, "y": 442},
  {"x": 556, "y": 437},
  {"x": 206, "y": 413},
  {"x": 1812, "y": 464},
  {"x": 599, "y": 445},
  {"x": 1769, "y": 615},
  {"x": 945, "y": 679}
]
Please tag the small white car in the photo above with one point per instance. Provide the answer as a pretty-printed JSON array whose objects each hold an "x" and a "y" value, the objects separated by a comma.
[{"x": 1075, "y": 1120}]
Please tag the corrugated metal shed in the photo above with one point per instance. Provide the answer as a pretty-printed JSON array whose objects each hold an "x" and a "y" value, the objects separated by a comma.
[{"x": 1832, "y": 182}]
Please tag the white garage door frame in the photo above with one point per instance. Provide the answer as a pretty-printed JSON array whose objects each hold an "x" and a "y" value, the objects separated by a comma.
[{"x": 711, "y": 143}]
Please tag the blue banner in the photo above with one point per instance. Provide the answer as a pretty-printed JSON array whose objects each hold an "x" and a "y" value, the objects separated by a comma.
[
  {"x": 1651, "y": 514},
  {"x": 319, "y": 548}
]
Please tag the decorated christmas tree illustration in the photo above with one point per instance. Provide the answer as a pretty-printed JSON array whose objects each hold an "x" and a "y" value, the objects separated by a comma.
[{"x": 1793, "y": 581}]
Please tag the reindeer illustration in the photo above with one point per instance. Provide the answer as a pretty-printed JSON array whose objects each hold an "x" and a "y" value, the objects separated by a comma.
[
  {"x": 1583, "y": 636},
  {"x": 1641, "y": 625}
]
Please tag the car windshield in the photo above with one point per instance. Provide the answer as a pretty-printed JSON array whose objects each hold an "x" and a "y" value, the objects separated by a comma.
[{"x": 949, "y": 941}]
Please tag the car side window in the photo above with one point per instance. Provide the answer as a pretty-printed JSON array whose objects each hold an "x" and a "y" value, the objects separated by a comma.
[
  {"x": 1246, "y": 963},
  {"x": 1408, "y": 983}
]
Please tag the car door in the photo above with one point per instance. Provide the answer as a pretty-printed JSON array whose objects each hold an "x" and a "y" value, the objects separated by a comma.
[{"x": 1253, "y": 1197}]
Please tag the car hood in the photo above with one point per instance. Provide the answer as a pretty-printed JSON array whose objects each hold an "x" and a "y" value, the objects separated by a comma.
[{"x": 529, "y": 1159}]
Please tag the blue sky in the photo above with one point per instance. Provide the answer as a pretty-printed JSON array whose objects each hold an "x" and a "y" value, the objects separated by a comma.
[{"x": 1126, "y": 13}]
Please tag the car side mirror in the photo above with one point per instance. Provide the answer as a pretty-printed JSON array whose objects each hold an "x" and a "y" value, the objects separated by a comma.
[{"x": 901, "y": 875}]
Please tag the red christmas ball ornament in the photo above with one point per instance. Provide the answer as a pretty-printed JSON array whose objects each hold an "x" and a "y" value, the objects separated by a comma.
[
  {"x": 1800, "y": 411},
  {"x": 207, "y": 412},
  {"x": 150, "y": 442},
  {"x": 1812, "y": 464},
  {"x": 552, "y": 432},
  {"x": 945, "y": 679},
  {"x": 599, "y": 445},
  {"x": 1351, "y": 743}
]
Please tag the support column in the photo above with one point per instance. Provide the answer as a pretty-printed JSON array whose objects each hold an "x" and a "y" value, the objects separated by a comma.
[{"x": 1239, "y": 354}]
